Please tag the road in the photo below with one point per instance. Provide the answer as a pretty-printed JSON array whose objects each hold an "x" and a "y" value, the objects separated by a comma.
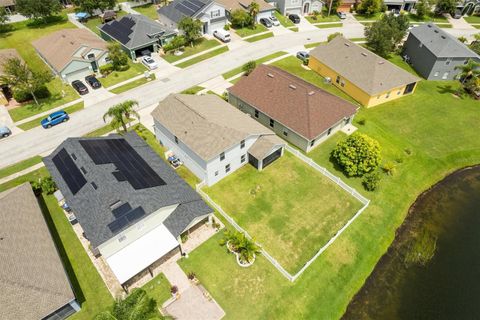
[{"x": 40, "y": 141}]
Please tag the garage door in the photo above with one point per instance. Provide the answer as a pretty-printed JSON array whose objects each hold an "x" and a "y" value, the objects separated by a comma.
[
  {"x": 78, "y": 75},
  {"x": 294, "y": 11},
  {"x": 216, "y": 26}
]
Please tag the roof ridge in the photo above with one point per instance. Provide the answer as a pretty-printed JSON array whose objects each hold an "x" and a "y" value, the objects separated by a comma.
[{"x": 35, "y": 288}]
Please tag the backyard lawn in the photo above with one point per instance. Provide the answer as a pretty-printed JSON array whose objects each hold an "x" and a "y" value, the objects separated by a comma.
[
  {"x": 149, "y": 10},
  {"x": 159, "y": 289},
  {"x": 201, "y": 45},
  {"x": 289, "y": 208},
  {"x": 115, "y": 77},
  {"x": 247, "y": 31}
]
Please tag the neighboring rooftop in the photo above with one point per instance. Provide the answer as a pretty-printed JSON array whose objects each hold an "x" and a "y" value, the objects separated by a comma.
[
  {"x": 231, "y": 5},
  {"x": 440, "y": 43},
  {"x": 293, "y": 102},
  {"x": 363, "y": 68},
  {"x": 135, "y": 30},
  {"x": 207, "y": 124},
  {"x": 59, "y": 48},
  {"x": 33, "y": 278},
  {"x": 179, "y": 9},
  {"x": 113, "y": 182},
  {"x": 7, "y": 3},
  {"x": 6, "y": 54}
]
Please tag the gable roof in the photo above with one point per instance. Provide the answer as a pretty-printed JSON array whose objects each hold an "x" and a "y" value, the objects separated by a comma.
[
  {"x": 291, "y": 101},
  {"x": 360, "y": 66},
  {"x": 59, "y": 47},
  {"x": 135, "y": 30},
  {"x": 34, "y": 282},
  {"x": 441, "y": 43},
  {"x": 178, "y": 9},
  {"x": 207, "y": 124},
  {"x": 6, "y": 54},
  {"x": 231, "y": 5},
  {"x": 96, "y": 177}
]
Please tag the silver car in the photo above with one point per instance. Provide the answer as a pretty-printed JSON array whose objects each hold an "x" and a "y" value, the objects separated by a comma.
[{"x": 4, "y": 132}]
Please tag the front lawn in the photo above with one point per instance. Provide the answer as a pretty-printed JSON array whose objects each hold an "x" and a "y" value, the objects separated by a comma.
[
  {"x": 329, "y": 25},
  {"x": 472, "y": 19},
  {"x": 322, "y": 18},
  {"x": 362, "y": 17},
  {"x": 94, "y": 22},
  {"x": 260, "y": 37},
  {"x": 247, "y": 31},
  {"x": 284, "y": 21},
  {"x": 17, "y": 167},
  {"x": 115, "y": 77},
  {"x": 133, "y": 84},
  {"x": 200, "y": 45},
  {"x": 202, "y": 57},
  {"x": 148, "y": 10},
  {"x": 238, "y": 70},
  {"x": 430, "y": 17},
  {"x": 444, "y": 25}
]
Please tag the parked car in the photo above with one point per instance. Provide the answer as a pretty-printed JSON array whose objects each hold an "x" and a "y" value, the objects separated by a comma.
[
  {"x": 80, "y": 87},
  {"x": 93, "y": 82},
  {"x": 4, "y": 132},
  {"x": 457, "y": 14},
  {"x": 149, "y": 62},
  {"x": 294, "y": 18},
  {"x": 266, "y": 22},
  {"x": 54, "y": 119},
  {"x": 342, "y": 15},
  {"x": 222, "y": 35},
  {"x": 303, "y": 55},
  {"x": 274, "y": 21}
]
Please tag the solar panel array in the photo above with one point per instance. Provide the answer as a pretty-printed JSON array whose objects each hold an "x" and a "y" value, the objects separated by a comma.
[
  {"x": 69, "y": 171},
  {"x": 128, "y": 162},
  {"x": 189, "y": 7},
  {"x": 120, "y": 30},
  {"x": 126, "y": 219}
]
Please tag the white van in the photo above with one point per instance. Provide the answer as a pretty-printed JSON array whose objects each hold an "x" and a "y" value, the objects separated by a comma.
[{"x": 222, "y": 35}]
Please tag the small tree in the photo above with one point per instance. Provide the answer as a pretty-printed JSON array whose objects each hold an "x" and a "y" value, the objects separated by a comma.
[
  {"x": 462, "y": 39},
  {"x": 357, "y": 155},
  {"x": 176, "y": 43},
  {"x": 118, "y": 57},
  {"x": 384, "y": 35},
  {"x": 333, "y": 36},
  {"x": 370, "y": 7},
  {"x": 253, "y": 10},
  {"x": 371, "y": 181},
  {"x": 240, "y": 18},
  {"x": 423, "y": 7},
  {"x": 192, "y": 29},
  {"x": 137, "y": 305},
  {"x": 120, "y": 114},
  {"x": 469, "y": 76},
  {"x": 247, "y": 249},
  {"x": 248, "y": 67},
  {"x": 91, "y": 5},
  {"x": 38, "y": 9},
  {"x": 445, "y": 6}
]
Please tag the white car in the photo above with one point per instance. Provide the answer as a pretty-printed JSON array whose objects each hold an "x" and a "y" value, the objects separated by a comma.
[
  {"x": 275, "y": 21},
  {"x": 149, "y": 62}
]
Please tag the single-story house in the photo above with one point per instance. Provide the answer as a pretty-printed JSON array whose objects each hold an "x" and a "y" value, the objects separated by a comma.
[
  {"x": 266, "y": 9},
  {"x": 34, "y": 282},
  {"x": 300, "y": 7},
  {"x": 131, "y": 205},
  {"x": 5, "y": 55},
  {"x": 363, "y": 75},
  {"x": 72, "y": 54},
  {"x": 210, "y": 13},
  {"x": 211, "y": 137},
  {"x": 435, "y": 54},
  {"x": 296, "y": 110},
  {"x": 137, "y": 33}
]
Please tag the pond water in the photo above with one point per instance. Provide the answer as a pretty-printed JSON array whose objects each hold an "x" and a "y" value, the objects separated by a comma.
[{"x": 432, "y": 269}]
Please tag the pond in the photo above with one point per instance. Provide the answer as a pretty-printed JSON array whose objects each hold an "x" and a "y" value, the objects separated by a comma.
[{"x": 432, "y": 269}]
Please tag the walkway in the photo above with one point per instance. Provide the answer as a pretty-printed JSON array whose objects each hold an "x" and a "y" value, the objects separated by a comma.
[{"x": 459, "y": 23}]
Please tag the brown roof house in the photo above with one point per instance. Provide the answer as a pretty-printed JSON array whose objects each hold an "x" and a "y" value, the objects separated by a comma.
[
  {"x": 296, "y": 110},
  {"x": 72, "y": 53},
  {"x": 211, "y": 137},
  {"x": 32, "y": 276},
  {"x": 266, "y": 9},
  {"x": 5, "y": 55}
]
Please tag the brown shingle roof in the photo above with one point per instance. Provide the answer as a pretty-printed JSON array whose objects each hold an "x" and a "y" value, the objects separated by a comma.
[
  {"x": 6, "y": 54},
  {"x": 363, "y": 68},
  {"x": 7, "y": 3},
  {"x": 59, "y": 47},
  {"x": 32, "y": 277},
  {"x": 231, "y": 5},
  {"x": 207, "y": 124},
  {"x": 291, "y": 101}
]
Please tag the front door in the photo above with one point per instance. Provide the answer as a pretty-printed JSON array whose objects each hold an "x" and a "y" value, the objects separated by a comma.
[
  {"x": 306, "y": 8},
  {"x": 205, "y": 27},
  {"x": 409, "y": 88}
]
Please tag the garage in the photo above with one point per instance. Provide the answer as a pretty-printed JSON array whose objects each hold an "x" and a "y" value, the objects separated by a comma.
[
  {"x": 216, "y": 24},
  {"x": 138, "y": 52},
  {"x": 77, "y": 75}
]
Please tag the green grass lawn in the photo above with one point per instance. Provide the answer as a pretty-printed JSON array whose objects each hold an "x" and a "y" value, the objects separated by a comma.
[
  {"x": 477, "y": 26},
  {"x": 329, "y": 25},
  {"x": 322, "y": 18},
  {"x": 201, "y": 45},
  {"x": 362, "y": 17},
  {"x": 313, "y": 44},
  {"x": 93, "y": 23},
  {"x": 290, "y": 208},
  {"x": 159, "y": 289},
  {"x": 17, "y": 167},
  {"x": 260, "y": 37},
  {"x": 149, "y": 10},
  {"x": 36, "y": 122},
  {"x": 284, "y": 21},
  {"x": 428, "y": 135},
  {"x": 247, "y": 31},
  {"x": 193, "y": 90},
  {"x": 202, "y": 57},
  {"x": 294, "y": 66},
  {"x": 472, "y": 19},
  {"x": 294, "y": 29},
  {"x": 444, "y": 25},
  {"x": 238, "y": 70},
  {"x": 133, "y": 84},
  {"x": 430, "y": 17},
  {"x": 115, "y": 77}
]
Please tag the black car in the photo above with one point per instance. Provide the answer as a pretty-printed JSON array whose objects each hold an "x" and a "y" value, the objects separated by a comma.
[
  {"x": 294, "y": 18},
  {"x": 93, "y": 82},
  {"x": 266, "y": 22},
  {"x": 80, "y": 87}
]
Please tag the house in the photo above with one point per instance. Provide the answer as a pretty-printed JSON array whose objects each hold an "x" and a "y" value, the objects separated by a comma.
[
  {"x": 266, "y": 9},
  {"x": 34, "y": 282},
  {"x": 400, "y": 5},
  {"x": 435, "y": 54},
  {"x": 210, "y": 13},
  {"x": 5, "y": 55},
  {"x": 347, "y": 6},
  {"x": 131, "y": 205},
  {"x": 300, "y": 7},
  {"x": 137, "y": 34},
  {"x": 363, "y": 75},
  {"x": 294, "y": 109},
  {"x": 211, "y": 137},
  {"x": 72, "y": 54},
  {"x": 9, "y": 5}
]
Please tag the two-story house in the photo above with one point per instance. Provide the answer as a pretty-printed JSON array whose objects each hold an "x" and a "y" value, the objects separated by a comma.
[{"x": 300, "y": 7}]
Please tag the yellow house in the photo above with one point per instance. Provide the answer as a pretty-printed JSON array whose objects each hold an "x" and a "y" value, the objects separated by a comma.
[{"x": 366, "y": 77}]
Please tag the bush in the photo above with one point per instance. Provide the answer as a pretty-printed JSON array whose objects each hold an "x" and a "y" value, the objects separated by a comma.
[
  {"x": 46, "y": 185},
  {"x": 106, "y": 69},
  {"x": 362, "y": 122},
  {"x": 23, "y": 96},
  {"x": 226, "y": 27},
  {"x": 357, "y": 155},
  {"x": 389, "y": 168},
  {"x": 248, "y": 67},
  {"x": 371, "y": 181},
  {"x": 240, "y": 18},
  {"x": 176, "y": 43}
]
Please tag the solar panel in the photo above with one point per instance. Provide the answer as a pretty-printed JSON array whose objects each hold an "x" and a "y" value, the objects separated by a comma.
[
  {"x": 118, "y": 224},
  {"x": 122, "y": 210},
  {"x": 69, "y": 171},
  {"x": 125, "y": 217},
  {"x": 135, "y": 214},
  {"x": 120, "y": 30}
]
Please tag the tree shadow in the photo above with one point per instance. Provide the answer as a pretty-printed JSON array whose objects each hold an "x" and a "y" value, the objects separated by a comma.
[
  {"x": 449, "y": 89},
  {"x": 45, "y": 22}
]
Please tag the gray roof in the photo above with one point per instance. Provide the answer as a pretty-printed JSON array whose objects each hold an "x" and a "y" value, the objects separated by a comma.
[
  {"x": 179, "y": 9},
  {"x": 441, "y": 43},
  {"x": 33, "y": 279},
  {"x": 93, "y": 207},
  {"x": 135, "y": 30},
  {"x": 363, "y": 68}
]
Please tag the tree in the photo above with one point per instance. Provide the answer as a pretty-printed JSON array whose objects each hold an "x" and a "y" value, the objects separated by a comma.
[
  {"x": 462, "y": 39},
  {"x": 253, "y": 10},
  {"x": 333, "y": 36},
  {"x": 118, "y": 57},
  {"x": 176, "y": 43},
  {"x": 370, "y": 7},
  {"x": 38, "y": 9},
  {"x": 19, "y": 77},
  {"x": 249, "y": 67},
  {"x": 4, "y": 17},
  {"x": 138, "y": 305},
  {"x": 469, "y": 70},
  {"x": 357, "y": 155},
  {"x": 475, "y": 45},
  {"x": 121, "y": 114},
  {"x": 445, "y": 6},
  {"x": 240, "y": 18},
  {"x": 192, "y": 29},
  {"x": 247, "y": 249},
  {"x": 333, "y": 6},
  {"x": 423, "y": 7},
  {"x": 384, "y": 35},
  {"x": 91, "y": 5}
]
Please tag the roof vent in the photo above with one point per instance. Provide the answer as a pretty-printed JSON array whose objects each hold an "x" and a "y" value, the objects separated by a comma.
[
  {"x": 270, "y": 75},
  {"x": 429, "y": 25},
  {"x": 443, "y": 37},
  {"x": 292, "y": 87},
  {"x": 311, "y": 93},
  {"x": 364, "y": 54},
  {"x": 347, "y": 44},
  {"x": 436, "y": 31}
]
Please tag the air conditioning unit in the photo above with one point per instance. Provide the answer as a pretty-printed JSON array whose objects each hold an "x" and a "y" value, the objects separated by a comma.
[{"x": 328, "y": 80}]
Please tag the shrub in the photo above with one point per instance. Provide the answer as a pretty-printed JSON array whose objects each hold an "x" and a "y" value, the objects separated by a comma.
[
  {"x": 240, "y": 18},
  {"x": 249, "y": 67},
  {"x": 23, "y": 96},
  {"x": 371, "y": 181},
  {"x": 176, "y": 43},
  {"x": 389, "y": 168},
  {"x": 226, "y": 27},
  {"x": 173, "y": 289},
  {"x": 357, "y": 155},
  {"x": 191, "y": 275},
  {"x": 362, "y": 122},
  {"x": 106, "y": 69},
  {"x": 46, "y": 185}
]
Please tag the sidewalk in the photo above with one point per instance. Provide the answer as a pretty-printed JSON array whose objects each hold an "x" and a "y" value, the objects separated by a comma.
[
  {"x": 459, "y": 23},
  {"x": 198, "y": 54},
  {"x": 45, "y": 113},
  {"x": 21, "y": 173}
]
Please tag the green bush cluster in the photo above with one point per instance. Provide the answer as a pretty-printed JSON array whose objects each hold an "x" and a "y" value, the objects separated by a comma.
[
  {"x": 45, "y": 185},
  {"x": 371, "y": 181},
  {"x": 22, "y": 95}
]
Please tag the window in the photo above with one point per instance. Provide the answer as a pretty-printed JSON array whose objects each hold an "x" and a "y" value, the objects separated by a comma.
[
  {"x": 94, "y": 185},
  {"x": 388, "y": 95},
  {"x": 399, "y": 92},
  {"x": 242, "y": 144},
  {"x": 435, "y": 74},
  {"x": 222, "y": 156},
  {"x": 329, "y": 131},
  {"x": 176, "y": 139},
  {"x": 447, "y": 62},
  {"x": 227, "y": 168},
  {"x": 83, "y": 170},
  {"x": 215, "y": 13},
  {"x": 338, "y": 79},
  {"x": 256, "y": 113},
  {"x": 342, "y": 83},
  {"x": 445, "y": 75},
  {"x": 285, "y": 133},
  {"x": 216, "y": 173},
  {"x": 294, "y": 1},
  {"x": 242, "y": 159},
  {"x": 312, "y": 143},
  {"x": 272, "y": 123}
]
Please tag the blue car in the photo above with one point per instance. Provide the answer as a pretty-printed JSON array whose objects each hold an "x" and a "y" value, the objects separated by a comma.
[{"x": 54, "y": 119}]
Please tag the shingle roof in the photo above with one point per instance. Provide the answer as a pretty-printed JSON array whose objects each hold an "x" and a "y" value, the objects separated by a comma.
[
  {"x": 291, "y": 101},
  {"x": 7, "y": 3},
  {"x": 441, "y": 43},
  {"x": 93, "y": 207},
  {"x": 135, "y": 30},
  {"x": 58, "y": 48},
  {"x": 207, "y": 124},
  {"x": 33, "y": 280},
  {"x": 231, "y": 5},
  {"x": 363, "y": 68},
  {"x": 6, "y": 54},
  {"x": 179, "y": 9}
]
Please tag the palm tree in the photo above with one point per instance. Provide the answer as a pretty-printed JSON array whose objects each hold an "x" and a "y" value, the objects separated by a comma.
[
  {"x": 233, "y": 239},
  {"x": 469, "y": 70},
  {"x": 253, "y": 10},
  {"x": 121, "y": 113},
  {"x": 247, "y": 249},
  {"x": 138, "y": 305}
]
